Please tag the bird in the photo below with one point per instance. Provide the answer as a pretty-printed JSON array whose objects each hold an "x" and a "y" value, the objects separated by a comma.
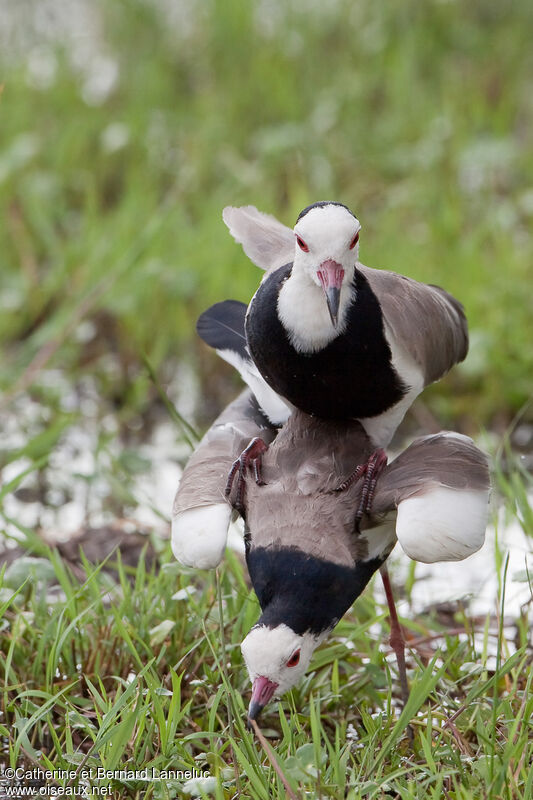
[
  {"x": 324, "y": 333},
  {"x": 334, "y": 353},
  {"x": 307, "y": 554},
  {"x": 201, "y": 512}
]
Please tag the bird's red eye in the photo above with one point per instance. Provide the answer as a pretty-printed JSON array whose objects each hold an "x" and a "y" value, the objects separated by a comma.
[
  {"x": 354, "y": 241},
  {"x": 294, "y": 659},
  {"x": 301, "y": 244}
]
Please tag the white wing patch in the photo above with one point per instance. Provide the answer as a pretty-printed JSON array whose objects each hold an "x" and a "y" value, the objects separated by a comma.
[
  {"x": 442, "y": 524},
  {"x": 199, "y": 535}
]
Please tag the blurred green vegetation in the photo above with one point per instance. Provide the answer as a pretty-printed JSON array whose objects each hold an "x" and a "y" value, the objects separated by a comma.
[
  {"x": 121, "y": 142},
  {"x": 125, "y": 127}
]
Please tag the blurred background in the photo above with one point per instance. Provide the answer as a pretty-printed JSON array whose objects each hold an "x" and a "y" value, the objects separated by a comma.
[{"x": 127, "y": 125}]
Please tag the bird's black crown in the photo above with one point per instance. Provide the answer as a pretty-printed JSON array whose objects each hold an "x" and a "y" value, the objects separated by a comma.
[{"x": 321, "y": 204}]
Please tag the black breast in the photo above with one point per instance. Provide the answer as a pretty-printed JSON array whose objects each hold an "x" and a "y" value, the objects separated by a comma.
[
  {"x": 352, "y": 377},
  {"x": 304, "y": 592}
]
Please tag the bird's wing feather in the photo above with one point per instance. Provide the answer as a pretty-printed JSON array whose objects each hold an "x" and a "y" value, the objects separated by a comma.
[
  {"x": 204, "y": 478},
  {"x": 443, "y": 459},
  {"x": 425, "y": 320},
  {"x": 440, "y": 486},
  {"x": 201, "y": 513},
  {"x": 265, "y": 240},
  {"x": 222, "y": 327}
]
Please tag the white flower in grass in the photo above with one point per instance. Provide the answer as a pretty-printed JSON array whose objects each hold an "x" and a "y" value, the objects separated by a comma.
[{"x": 196, "y": 786}]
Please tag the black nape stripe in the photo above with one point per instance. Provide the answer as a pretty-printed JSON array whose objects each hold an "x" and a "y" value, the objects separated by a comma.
[{"x": 321, "y": 204}]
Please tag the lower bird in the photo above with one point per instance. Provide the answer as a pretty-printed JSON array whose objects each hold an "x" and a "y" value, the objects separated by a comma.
[{"x": 309, "y": 550}]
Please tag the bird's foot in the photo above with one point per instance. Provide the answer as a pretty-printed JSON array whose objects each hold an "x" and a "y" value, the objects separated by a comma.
[
  {"x": 371, "y": 471},
  {"x": 250, "y": 457}
]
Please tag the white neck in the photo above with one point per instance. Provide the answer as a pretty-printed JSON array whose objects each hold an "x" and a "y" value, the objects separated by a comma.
[{"x": 304, "y": 314}]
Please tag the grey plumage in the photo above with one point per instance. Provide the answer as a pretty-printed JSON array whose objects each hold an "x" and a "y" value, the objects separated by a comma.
[
  {"x": 439, "y": 337},
  {"x": 297, "y": 507},
  {"x": 264, "y": 239},
  {"x": 307, "y": 559},
  {"x": 310, "y": 458},
  {"x": 204, "y": 479},
  {"x": 439, "y": 460},
  {"x": 306, "y": 460}
]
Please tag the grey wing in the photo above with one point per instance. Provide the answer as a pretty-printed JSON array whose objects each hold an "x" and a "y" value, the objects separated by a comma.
[
  {"x": 265, "y": 240},
  {"x": 205, "y": 476},
  {"x": 440, "y": 487},
  {"x": 424, "y": 320},
  {"x": 444, "y": 459},
  {"x": 201, "y": 514}
]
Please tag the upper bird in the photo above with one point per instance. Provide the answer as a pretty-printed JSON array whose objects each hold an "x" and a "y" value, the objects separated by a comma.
[{"x": 327, "y": 335}]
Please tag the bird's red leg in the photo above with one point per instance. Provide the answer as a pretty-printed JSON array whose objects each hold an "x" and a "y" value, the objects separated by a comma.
[
  {"x": 397, "y": 641},
  {"x": 250, "y": 457},
  {"x": 371, "y": 470},
  {"x": 351, "y": 479},
  {"x": 374, "y": 467}
]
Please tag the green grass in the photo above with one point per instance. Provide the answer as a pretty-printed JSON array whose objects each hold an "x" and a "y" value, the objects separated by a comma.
[
  {"x": 111, "y": 243},
  {"x": 120, "y": 674}
]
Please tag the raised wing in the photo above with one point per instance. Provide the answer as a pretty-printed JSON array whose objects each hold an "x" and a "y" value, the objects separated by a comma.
[
  {"x": 440, "y": 487},
  {"x": 265, "y": 240},
  {"x": 425, "y": 320}
]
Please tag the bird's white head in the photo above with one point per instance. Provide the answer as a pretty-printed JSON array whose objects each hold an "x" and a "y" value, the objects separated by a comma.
[
  {"x": 327, "y": 249},
  {"x": 276, "y": 659}
]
